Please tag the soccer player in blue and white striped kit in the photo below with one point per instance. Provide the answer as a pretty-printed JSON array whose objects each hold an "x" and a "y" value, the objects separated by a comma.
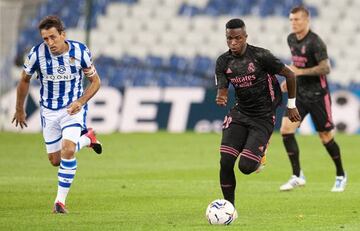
[{"x": 60, "y": 65}]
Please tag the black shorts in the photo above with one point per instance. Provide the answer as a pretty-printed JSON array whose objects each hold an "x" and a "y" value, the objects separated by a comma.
[
  {"x": 319, "y": 110},
  {"x": 243, "y": 132}
]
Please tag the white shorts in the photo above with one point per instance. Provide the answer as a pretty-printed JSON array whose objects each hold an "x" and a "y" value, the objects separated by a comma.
[{"x": 58, "y": 125}]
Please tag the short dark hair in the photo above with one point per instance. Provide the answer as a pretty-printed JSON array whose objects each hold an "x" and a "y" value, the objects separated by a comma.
[
  {"x": 51, "y": 21},
  {"x": 300, "y": 9},
  {"x": 235, "y": 23}
]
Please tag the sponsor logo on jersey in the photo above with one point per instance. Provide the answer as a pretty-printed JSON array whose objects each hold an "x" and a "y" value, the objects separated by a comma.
[
  {"x": 243, "y": 81},
  {"x": 299, "y": 61},
  {"x": 57, "y": 78}
]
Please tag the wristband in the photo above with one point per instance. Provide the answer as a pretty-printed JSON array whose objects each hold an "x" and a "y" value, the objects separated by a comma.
[{"x": 291, "y": 103}]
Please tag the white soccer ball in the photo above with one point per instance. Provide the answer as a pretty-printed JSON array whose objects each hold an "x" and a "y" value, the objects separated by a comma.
[{"x": 221, "y": 212}]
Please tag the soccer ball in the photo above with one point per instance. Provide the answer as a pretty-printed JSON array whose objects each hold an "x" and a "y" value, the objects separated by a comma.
[{"x": 221, "y": 212}]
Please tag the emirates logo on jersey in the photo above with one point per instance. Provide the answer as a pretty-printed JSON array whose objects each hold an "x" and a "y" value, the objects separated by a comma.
[
  {"x": 303, "y": 49},
  {"x": 251, "y": 67}
]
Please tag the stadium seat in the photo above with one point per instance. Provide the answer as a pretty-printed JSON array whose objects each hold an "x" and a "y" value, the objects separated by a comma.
[{"x": 175, "y": 43}]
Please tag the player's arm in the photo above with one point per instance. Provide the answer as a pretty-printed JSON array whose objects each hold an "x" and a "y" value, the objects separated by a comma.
[
  {"x": 89, "y": 92},
  {"x": 323, "y": 68},
  {"x": 291, "y": 88},
  {"x": 221, "y": 82},
  {"x": 21, "y": 93},
  {"x": 222, "y": 97}
]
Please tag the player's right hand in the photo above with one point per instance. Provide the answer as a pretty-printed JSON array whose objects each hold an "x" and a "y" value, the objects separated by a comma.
[
  {"x": 221, "y": 101},
  {"x": 74, "y": 107},
  {"x": 294, "y": 115},
  {"x": 19, "y": 119}
]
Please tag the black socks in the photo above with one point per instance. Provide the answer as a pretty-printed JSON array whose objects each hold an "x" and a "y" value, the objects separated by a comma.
[
  {"x": 334, "y": 151},
  {"x": 292, "y": 150}
]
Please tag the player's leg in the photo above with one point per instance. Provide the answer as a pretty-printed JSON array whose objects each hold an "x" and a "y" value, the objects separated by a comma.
[
  {"x": 255, "y": 146},
  {"x": 287, "y": 131},
  {"x": 52, "y": 135},
  {"x": 233, "y": 138},
  {"x": 333, "y": 149},
  {"x": 321, "y": 115},
  {"x": 88, "y": 139},
  {"x": 68, "y": 165},
  {"x": 71, "y": 127},
  {"x": 88, "y": 136},
  {"x": 54, "y": 158}
]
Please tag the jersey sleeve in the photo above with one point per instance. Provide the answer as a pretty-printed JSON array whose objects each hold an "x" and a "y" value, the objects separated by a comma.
[
  {"x": 270, "y": 63},
  {"x": 221, "y": 80},
  {"x": 86, "y": 59},
  {"x": 320, "y": 50},
  {"x": 31, "y": 62}
]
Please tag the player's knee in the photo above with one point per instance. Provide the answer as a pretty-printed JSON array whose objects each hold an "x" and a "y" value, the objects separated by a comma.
[
  {"x": 247, "y": 166},
  {"x": 326, "y": 137},
  {"x": 288, "y": 127},
  {"x": 68, "y": 150},
  {"x": 285, "y": 130}
]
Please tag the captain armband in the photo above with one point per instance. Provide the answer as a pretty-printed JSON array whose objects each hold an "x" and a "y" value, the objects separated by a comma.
[
  {"x": 90, "y": 72},
  {"x": 291, "y": 103}
]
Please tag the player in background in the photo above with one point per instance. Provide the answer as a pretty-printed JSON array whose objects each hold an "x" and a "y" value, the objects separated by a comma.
[
  {"x": 249, "y": 124},
  {"x": 60, "y": 66},
  {"x": 310, "y": 63}
]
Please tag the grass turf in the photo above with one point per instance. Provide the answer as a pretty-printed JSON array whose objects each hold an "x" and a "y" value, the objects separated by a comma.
[{"x": 165, "y": 181}]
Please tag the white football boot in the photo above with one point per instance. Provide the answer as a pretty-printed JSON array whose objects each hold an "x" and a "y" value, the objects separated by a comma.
[
  {"x": 340, "y": 184},
  {"x": 294, "y": 182}
]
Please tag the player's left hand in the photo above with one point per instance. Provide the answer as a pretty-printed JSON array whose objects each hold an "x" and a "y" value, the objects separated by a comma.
[
  {"x": 294, "y": 115},
  {"x": 297, "y": 71},
  {"x": 74, "y": 107}
]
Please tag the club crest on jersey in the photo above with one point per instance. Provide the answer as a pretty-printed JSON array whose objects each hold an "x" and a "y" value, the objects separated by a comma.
[
  {"x": 251, "y": 67},
  {"x": 61, "y": 69},
  {"x": 229, "y": 71},
  {"x": 303, "y": 49}
]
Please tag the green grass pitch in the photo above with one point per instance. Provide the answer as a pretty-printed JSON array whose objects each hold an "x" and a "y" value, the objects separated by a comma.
[{"x": 165, "y": 181}]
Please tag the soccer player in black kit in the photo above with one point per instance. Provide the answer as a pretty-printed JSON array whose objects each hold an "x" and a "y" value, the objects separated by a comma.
[
  {"x": 310, "y": 63},
  {"x": 249, "y": 124}
]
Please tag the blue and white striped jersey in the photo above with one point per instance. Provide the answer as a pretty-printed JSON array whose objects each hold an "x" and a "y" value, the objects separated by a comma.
[{"x": 60, "y": 76}]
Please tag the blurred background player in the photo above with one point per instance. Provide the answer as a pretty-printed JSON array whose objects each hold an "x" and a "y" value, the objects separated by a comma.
[
  {"x": 248, "y": 126},
  {"x": 310, "y": 63},
  {"x": 60, "y": 65}
]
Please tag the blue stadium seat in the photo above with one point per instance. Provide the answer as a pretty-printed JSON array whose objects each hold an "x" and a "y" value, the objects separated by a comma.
[
  {"x": 178, "y": 63},
  {"x": 154, "y": 61}
]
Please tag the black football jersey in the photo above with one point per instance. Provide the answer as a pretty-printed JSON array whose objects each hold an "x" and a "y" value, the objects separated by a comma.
[
  {"x": 306, "y": 53},
  {"x": 252, "y": 75}
]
